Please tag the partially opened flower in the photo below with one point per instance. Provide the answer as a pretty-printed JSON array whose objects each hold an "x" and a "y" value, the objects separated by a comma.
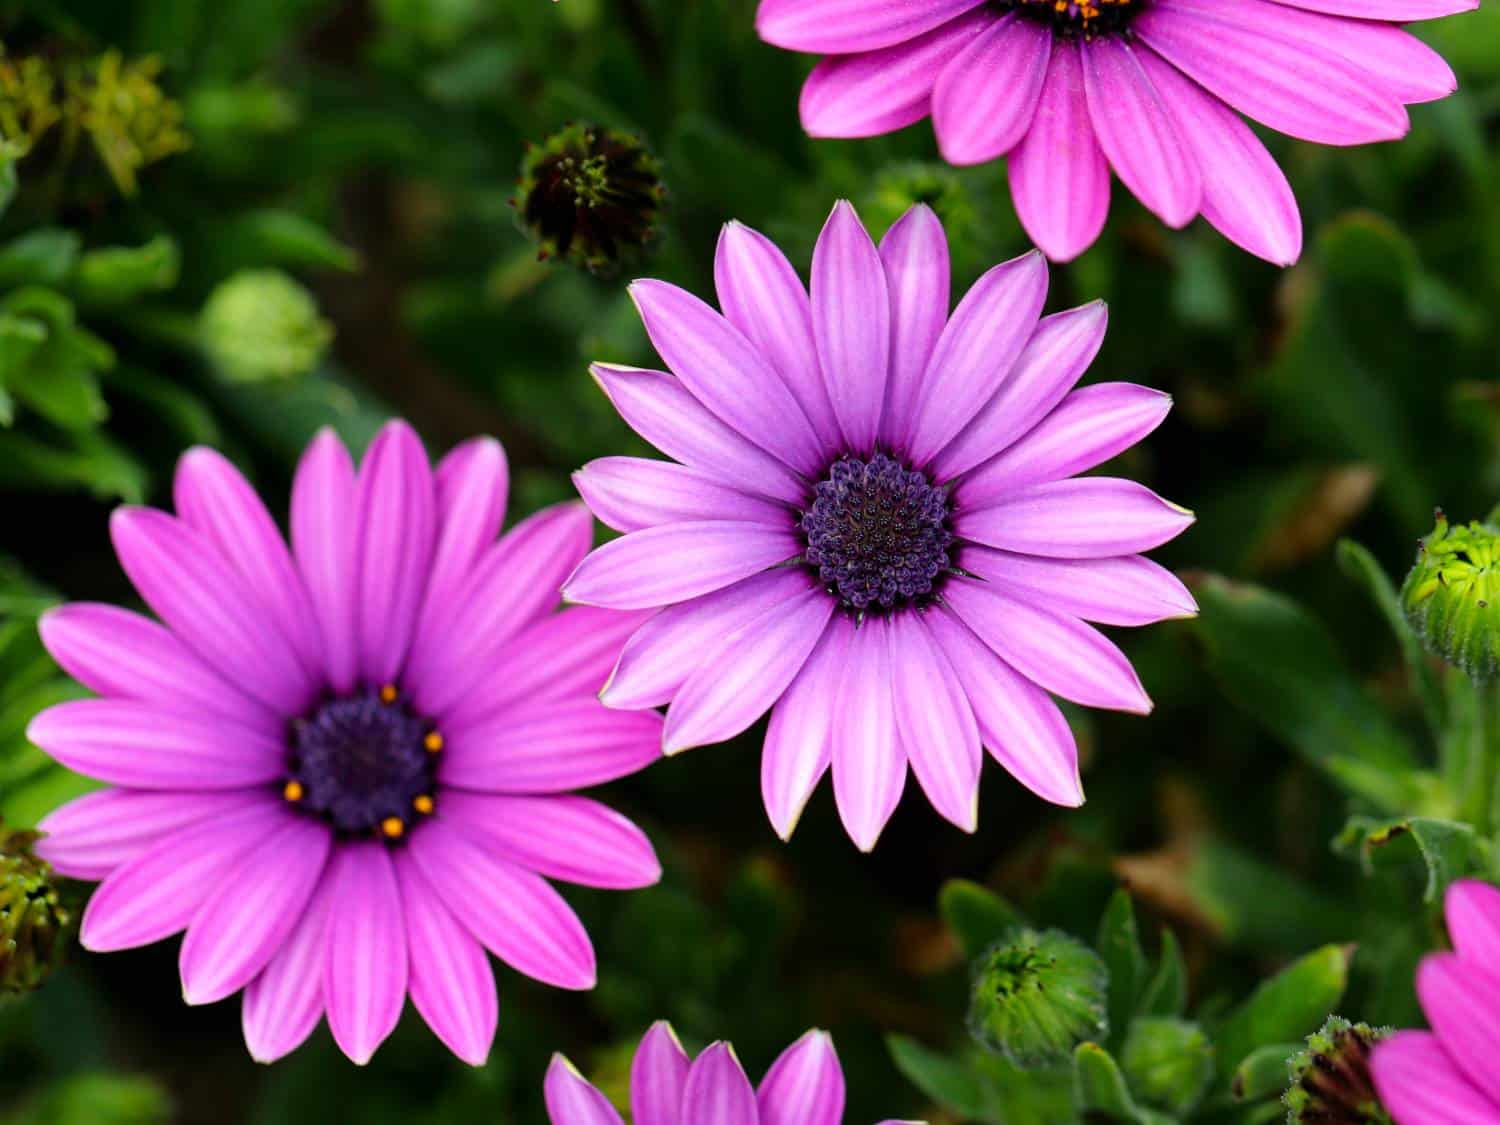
[
  {"x": 1448, "y": 1076},
  {"x": 805, "y": 1086},
  {"x": 345, "y": 768},
  {"x": 1069, "y": 89},
  {"x": 872, "y": 529}
]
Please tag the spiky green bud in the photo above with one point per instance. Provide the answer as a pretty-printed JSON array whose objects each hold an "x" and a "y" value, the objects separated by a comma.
[
  {"x": 590, "y": 196},
  {"x": 261, "y": 325},
  {"x": 33, "y": 920},
  {"x": 1037, "y": 995},
  {"x": 1331, "y": 1083},
  {"x": 1450, "y": 595}
]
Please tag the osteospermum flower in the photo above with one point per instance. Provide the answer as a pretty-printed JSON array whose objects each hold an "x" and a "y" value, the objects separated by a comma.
[
  {"x": 805, "y": 1086},
  {"x": 872, "y": 529},
  {"x": 1448, "y": 1076},
  {"x": 345, "y": 768},
  {"x": 1068, "y": 89}
]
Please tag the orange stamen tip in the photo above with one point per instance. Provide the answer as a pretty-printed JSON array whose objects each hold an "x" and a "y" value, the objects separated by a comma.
[
  {"x": 292, "y": 791},
  {"x": 433, "y": 742},
  {"x": 388, "y": 693},
  {"x": 392, "y": 827},
  {"x": 423, "y": 804}
]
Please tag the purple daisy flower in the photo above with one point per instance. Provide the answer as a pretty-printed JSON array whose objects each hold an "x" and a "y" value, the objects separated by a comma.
[
  {"x": 345, "y": 768},
  {"x": 1068, "y": 89},
  {"x": 1448, "y": 1076},
  {"x": 805, "y": 1086},
  {"x": 872, "y": 530}
]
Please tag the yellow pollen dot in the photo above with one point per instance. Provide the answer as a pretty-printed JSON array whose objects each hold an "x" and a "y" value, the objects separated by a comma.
[
  {"x": 423, "y": 804},
  {"x": 433, "y": 742},
  {"x": 292, "y": 791},
  {"x": 392, "y": 827},
  {"x": 388, "y": 693}
]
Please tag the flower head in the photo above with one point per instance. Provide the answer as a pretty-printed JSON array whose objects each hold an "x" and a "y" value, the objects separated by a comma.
[
  {"x": 1331, "y": 1080},
  {"x": 344, "y": 768},
  {"x": 1452, "y": 595},
  {"x": 1448, "y": 1076},
  {"x": 1035, "y": 996},
  {"x": 805, "y": 1086},
  {"x": 1069, "y": 89},
  {"x": 871, "y": 530}
]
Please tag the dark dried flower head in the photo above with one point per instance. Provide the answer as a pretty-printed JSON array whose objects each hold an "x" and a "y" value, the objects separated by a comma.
[
  {"x": 1331, "y": 1082},
  {"x": 1451, "y": 595},
  {"x": 591, "y": 196},
  {"x": 33, "y": 920}
]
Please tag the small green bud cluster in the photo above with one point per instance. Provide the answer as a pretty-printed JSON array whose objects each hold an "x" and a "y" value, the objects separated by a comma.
[
  {"x": 33, "y": 920},
  {"x": 1450, "y": 595},
  {"x": 262, "y": 326},
  {"x": 1331, "y": 1083}
]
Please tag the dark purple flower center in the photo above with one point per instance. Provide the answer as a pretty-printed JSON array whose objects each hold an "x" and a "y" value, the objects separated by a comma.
[
  {"x": 1078, "y": 17},
  {"x": 877, "y": 532},
  {"x": 364, "y": 763}
]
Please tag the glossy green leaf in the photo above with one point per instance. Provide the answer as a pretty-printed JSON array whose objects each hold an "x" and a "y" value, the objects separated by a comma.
[{"x": 1290, "y": 1005}]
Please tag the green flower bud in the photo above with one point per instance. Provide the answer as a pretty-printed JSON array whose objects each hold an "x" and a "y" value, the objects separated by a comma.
[
  {"x": 1168, "y": 1063},
  {"x": 590, "y": 196},
  {"x": 1450, "y": 595},
  {"x": 33, "y": 921},
  {"x": 1037, "y": 995},
  {"x": 260, "y": 325},
  {"x": 1331, "y": 1083}
]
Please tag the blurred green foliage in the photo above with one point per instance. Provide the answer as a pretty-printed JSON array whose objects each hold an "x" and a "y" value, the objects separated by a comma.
[{"x": 1309, "y": 781}]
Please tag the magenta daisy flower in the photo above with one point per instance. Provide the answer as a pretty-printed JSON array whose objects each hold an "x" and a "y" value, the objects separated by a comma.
[
  {"x": 1448, "y": 1076},
  {"x": 1068, "y": 89},
  {"x": 805, "y": 1086},
  {"x": 872, "y": 529},
  {"x": 345, "y": 768}
]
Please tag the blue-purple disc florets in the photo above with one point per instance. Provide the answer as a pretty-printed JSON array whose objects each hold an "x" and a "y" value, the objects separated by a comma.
[
  {"x": 364, "y": 763},
  {"x": 877, "y": 532}
]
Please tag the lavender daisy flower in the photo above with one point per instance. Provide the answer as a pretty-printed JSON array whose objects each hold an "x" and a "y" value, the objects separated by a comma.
[
  {"x": 1068, "y": 89},
  {"x": 1448, "y": 1076},
  {"x": 345, "y": 768},
  {"x": 805, "y": 1086},
  {"x": 872, "y": 530}
]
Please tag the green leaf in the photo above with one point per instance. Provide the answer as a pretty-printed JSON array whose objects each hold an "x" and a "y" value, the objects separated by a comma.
[
  {"x": 1166, "y": 994},
  {"x": 88, "y": 461},
  {"x": 1283, "y": 669},
  {"x": 1290, "y": 1005},
  {"x": 1100, "y": 1091},
  {"x": 1119, "y": 944},
  {"x": 1448, "y": 848},
  {"x": 118, "y": 274},
  {"x": 281, "y": 238},
  {"x": 40, "y": 257},
  {"x": 977, "y": 916},
  {"x": 942, "y": 1078},
  {"x": 1262, "y": 1073}
]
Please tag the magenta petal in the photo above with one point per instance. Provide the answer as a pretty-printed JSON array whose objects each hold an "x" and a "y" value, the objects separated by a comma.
[
  {"x": 1462, "y": 1003},
  {"x": 564, "y": 654},
  {"x": 89, "y": 837},
  {"x": 978, "y": 351},
  {"x": 551, "y": 747},
  {"x": 935, "y": 722},
  {"x": 515, "y": 584},
  {"x": 365, "y": 954},
  {"x": 1419, "y": 1084},
  {"x": 514, "y": 913},
  {"x": 118, "y": 653},
  {"x": 736, "y": 683},
  {"x": 869, "y": 765},
  {"x": 631, "y": 493},
  {"x": 717, "y": 1091},
  {"x": 1059, "y": 176},
  {"x": 188, "y": 584},
  {"x": 664, "y": 651},
  {"x": 156, "y": 894},
  {"x": 659, "y": 408},
  {"x": 397, "y": 519},
  {"x": 1081, "y": 518},
  {"x": 805, "y": 1085},
  {"x": 284, "y": 1003},
  {"x": 851, "y": 321},
  {"x": 664, "y": 565},
  {"x": 564, "y": 837},
  {"x": 1472, "y": 909},
  {"x": 213, "y": 498},
  {"x": 1399, "y": 11},
  {"x": 1056, "y": 652},
  {"x": 142, "y": 746},
  {"x": 571, "y": 1100},
  {"x": 986, "y": 98},
  {"x": 799, "y": 739},
  {"x": 452, "y": 984},
  {"x": 473, "y": 484},
  {"x": 252, "y": 912},
  {"x": 915, "y": 255},
  {"x": 1020, "y": 724},
  {"x": 324, "y": 543},
  {"x": 726, "y": 373},
  {"x": 658, "y": 1075},
  {"x": 1127, "y": 590},
  {"x": 763, "y": 297},
  {"x": 841, "y": 27}
]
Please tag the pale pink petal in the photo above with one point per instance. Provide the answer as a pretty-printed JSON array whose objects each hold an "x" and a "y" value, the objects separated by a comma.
[
  {"x": 657, "y": 1077},
  {"x": 285, "y": 1002},
  {"x": 473, "y": 484},
  {"x": 1081, "y": 518},
  {"x": 365, "y": 952},
  {"x": 841, "y": 27},
  {"x": 799, "y": 739},
  {"x": 572, "y": 1101},
  {"x": 851, "y": 311},
  {"x": 805, "y": 1085},
  {"x": 869, "y": 765},
  {"x": 986, "y": 98},
  {"x": 915, "y": 255},
  {"x": 324, "y": 543},
  {"x": 1127, "y": 590},
  {"x": 631, "y": 493},
  {"x": 935, "y": 722},
  {"x": 717, "y": 1091}
]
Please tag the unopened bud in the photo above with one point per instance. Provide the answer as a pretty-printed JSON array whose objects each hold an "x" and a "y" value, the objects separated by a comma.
[
  {"x": 1037, "y": 995},
  {"x": 1451, "y": 594}
]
